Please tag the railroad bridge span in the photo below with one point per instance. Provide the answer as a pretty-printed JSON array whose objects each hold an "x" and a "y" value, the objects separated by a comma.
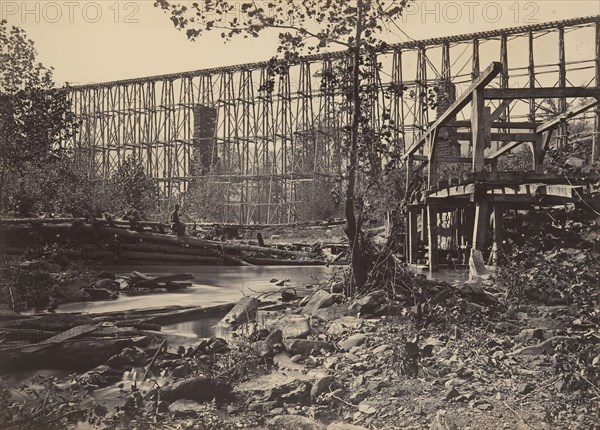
[{"x": 265, "y": 154}]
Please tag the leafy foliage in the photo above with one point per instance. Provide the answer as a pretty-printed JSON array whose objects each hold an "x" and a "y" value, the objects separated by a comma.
[
  {"x": 133, "y": 188},
  {"x": 34, "y": 116}
]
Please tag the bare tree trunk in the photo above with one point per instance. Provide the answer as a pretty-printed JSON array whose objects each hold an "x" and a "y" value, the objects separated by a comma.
[{"x": 352, "y": 225}]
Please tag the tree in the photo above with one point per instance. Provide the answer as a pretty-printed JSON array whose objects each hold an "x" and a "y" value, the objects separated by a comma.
[
  {"x": 133, "y": 188},
  {"x": 35, "y": 117},
  {"x": 311, "y": 26}
]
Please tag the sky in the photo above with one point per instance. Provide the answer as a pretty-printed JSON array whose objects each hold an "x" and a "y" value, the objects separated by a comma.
[{"x": 105, "y": 40}]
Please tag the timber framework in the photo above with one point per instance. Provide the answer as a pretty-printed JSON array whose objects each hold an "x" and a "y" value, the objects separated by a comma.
[{"x": 268, "y": 154}]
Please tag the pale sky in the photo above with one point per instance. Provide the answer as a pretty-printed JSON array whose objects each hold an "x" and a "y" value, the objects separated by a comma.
[{"x": 104, "y": 40}]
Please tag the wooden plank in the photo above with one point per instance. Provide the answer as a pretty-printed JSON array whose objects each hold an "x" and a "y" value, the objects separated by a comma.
[
  {"x": 574, "y": 111},
  {"x": 72, "y": 333},
  {"x": 412, "y": 235},
  {"x": 539, "y": 93},
  {"x": 432, "y": 236},
  {"x": 480, "y": 226},
  {"x": 506, "y": 148},
  {"x": 499, "y": 111},
  {"x": 498, "y": 124},
  {"x": 479, "y": 130},
  {"x": 484, "y": 78},
  {"x": 500, "y": 137}
]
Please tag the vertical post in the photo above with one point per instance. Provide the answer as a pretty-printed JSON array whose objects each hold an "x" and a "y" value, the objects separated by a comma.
[
  {"x": 531, "y": 73},
  {"x": 596, "y": 138},
  {"x": 480, "y": 138},
  {"x": 537, "y": 150},
  {"x": 432, "y": 215},
  {"x": 424, "y": 225},
  {"x": 498, "y": 232},
  {"x": 432, "y": 168},
  {"x": 475, "y": 64},
  {"x": 562, "y": 83},
  {"x": 412, "y": 235},
  {"x": 480, "y": 130}
]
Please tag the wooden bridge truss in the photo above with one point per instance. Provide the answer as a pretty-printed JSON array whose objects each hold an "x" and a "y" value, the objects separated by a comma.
[{"x": 267, "y": 151}]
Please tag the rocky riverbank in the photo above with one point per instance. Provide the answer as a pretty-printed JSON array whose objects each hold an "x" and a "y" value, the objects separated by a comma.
[{"x": 452, "y": 360}]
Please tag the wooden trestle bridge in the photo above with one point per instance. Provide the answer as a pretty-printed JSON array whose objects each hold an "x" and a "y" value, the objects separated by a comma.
[{"x": 267, "y": 151}]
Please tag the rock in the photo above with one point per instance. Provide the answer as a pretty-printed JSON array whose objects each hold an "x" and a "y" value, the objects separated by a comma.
[
  {"x": 288, "y": 295},
  {"x": 263, "y": 349},
  {"x": 368, "y": 303},
  {"x": 291, "y": 326},
  {"x": 441, "y": 422},
  {"x": 352, "y": 341},
  {"x": 200, "y": 389},
  {"x": 525, "y": 388},
  {"x": 130, "y": 356},
  {"x": 181, "y": 371},
  {"x": 336, "y": 288},
  {"x": 292, "y": 392},
  {"x": 320, "y": 299},
  {"x": 368, "y": 408},
  {"x": 295, "y": 422},
  {"x": 304, "y": 346},
  {"x": 324, "y": 385},
  {"x": 296, "y": 358},
  {"x": 526, "y": 335},
  {"x": 262, "y": 406},
  {"x": 451, "y": 393},
  {"x": 275, "y": 337},
  {"x": 545, "y": 347},
  {"x": 71, "y": 293},
  {"x": 106, "y": 275},
  {"x": 332, "y": 312},
  {"x": 106, "y": 284},
  {"x": 359, "y": 396},
  {"x": 102, "y": 294},
  {"x": 186, "y": 408},
  {"x": 344, "y": 426},
  {"x": 342, "y": 325}
]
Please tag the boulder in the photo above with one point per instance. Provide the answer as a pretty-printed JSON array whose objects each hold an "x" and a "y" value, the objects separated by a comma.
[
  {"x": 324, "y": 385},
  {"x": 291, "y": 392},
  {"x": 304, "y": 346},
  {"x": 106, "y": 284},
  {"x": 130, "y": 356},
  {"x": 331, "y": 313},
  {"x": 295, "y": 422},
  {"x": 320, "y": 299},
  {"x": 368, "y": 303},
  {"x": 71, "y": 293},
  {"x": 200, "y": 389},
  {"x": 100, "y": 294},
  {"x": 275, "y": 337},
  {"x": 291, "y": 326},
  {"x": 352, "y": 341}
]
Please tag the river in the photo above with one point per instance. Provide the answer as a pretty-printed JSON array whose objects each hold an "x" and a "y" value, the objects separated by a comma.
[{"x": 212, "y": 285}]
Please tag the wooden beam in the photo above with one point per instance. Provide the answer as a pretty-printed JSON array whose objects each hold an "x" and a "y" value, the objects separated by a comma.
[
  {"x": 484, "y": 78},
  {"x": 506, "y": 148},
  {"x": 500, "y": 110},
  {"x": 432, "y": 213},
  {"x": 479, "y": 129},
  {"x": 540, "y": 93},
  {"x": 500, "y": 137},
  {"x": 412, "y": 235},
  {"x": 498, "y": 124},
  {"x": 574, "y": 111}
]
